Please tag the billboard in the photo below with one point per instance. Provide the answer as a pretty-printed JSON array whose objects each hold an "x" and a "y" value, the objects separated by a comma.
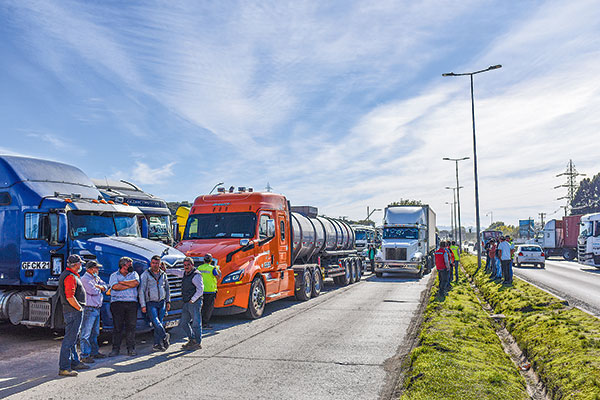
[{"x": 526, "y": 228}]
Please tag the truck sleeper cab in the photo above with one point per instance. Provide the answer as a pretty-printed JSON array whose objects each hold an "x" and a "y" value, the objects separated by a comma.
[
  {"x": 265, "y": 251},
  {"x": 48, "y": 211},
  {"x": 588, "y": 243}
]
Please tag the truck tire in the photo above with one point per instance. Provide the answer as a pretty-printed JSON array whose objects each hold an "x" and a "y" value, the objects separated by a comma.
[
  {"x": 359, "y": 270},
  {"x": 352, "y": 266},
  {"x": 257, "y": 299},
  {"x": 421, "y": 271},
  {"x": 568, "y": 254},
  {"x": 305, "y": 289},
  {"x": 317, "y": 282},
  {"x": 379, "y": 274},
  {"x": 345, "y": 279}
]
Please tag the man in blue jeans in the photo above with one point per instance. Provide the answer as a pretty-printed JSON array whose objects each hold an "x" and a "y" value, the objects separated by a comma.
[
  {"x": 72, "y": 299},
  {"x": 192, "y": 289},
  {"x": 90, "y": 327},
  {"x": 155, "y": 301}
]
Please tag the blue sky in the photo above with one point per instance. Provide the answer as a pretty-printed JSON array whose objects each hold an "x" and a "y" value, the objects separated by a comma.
[{"x": 338, "y": 104}]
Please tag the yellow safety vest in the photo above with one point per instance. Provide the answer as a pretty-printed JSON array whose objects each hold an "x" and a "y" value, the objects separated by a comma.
[
  {"x": 455, "y": 252},
  {"x": 209, "y": 279}
]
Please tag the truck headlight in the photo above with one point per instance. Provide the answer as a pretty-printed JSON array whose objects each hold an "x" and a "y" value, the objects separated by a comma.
[{"x": 235, "y": 276}]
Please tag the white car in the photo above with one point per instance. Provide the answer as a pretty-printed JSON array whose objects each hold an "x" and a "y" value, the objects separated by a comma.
[{"x": 529, "y": 254}]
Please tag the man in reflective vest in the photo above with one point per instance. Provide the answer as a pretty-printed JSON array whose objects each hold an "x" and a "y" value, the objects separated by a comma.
[
  {"x": 210, "y": 274},
  {"x": 456, "y": 253},
  {"x": 442, "y": 264}
]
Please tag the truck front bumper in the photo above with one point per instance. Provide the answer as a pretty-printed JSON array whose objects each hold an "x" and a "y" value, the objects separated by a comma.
[
  {"x": 397, "y": 266},
  {"x": 232, "y": 299}
]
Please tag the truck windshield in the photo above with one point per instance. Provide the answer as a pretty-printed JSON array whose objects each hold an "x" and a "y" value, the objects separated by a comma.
[
  {"x": 587, "y": 229},
  {"x": 221, "y": 225},
  {"x": 85, "y": 225},
  {"x": 158, "y": 226},
  {"x": 400, "y": 233},
  {"x": 361, "y": 235}
]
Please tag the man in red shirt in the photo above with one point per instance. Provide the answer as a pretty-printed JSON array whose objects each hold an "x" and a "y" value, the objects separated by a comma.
[
  {"x": 442, "y": 264},
  {"x": 72, "y": 299}
]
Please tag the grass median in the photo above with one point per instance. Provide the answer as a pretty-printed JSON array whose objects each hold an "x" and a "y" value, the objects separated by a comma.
[
  {"x": 562, "y": 342},
  {"x": 459, "y": 355}
]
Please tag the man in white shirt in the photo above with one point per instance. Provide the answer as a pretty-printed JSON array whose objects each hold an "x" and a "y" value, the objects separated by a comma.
[{"x": 504, "y": 253}]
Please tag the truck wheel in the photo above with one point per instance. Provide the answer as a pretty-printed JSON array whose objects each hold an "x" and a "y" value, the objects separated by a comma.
[
  {"x": 568, "y": 254},
  {"x": 257, "y": 299},
  {"x": 359, "y": 270},
  {"x": 305, "y": 289},
  {"x": 317, "y": 282},
  {"x": 352, "y": 266},
  {"x": 379, "y": 274},
  {"x": 420, "y": 272},
  {"x": 345, "y": 279}
]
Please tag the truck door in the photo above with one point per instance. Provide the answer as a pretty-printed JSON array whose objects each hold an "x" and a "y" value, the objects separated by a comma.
[
  {"x": 41, "y": 239},
  {"x": 268, "y": 253},
  {"x": 284, "y": 253}
]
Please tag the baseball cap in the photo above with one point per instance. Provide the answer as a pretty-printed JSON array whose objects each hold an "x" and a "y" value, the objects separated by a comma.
[
  {"x": 93, "y": 264},
  {"x": 74, "y": 259}
]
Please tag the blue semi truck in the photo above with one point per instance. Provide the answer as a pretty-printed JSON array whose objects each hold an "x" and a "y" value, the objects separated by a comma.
[
  {"x": 49, "y": 210},
  {"x": 154, "y": 209}
]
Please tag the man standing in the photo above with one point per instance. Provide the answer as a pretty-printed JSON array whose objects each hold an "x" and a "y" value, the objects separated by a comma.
[
  {"x": 492, "y": 256},
  {"x": 442, "y": 264},
  {"x": 155, "y": 300},
  {"x": 90, "y": 327},
  {"x": 504, "y": 253},
  {"x": 72, "y": 299},
  {"x": 192, "y": 288},
  {"x": 371, "y": 253},
  {"x": 210, "y": 274},
  {"x": 123, "y": 285},
  {"x": 456, "y": 254}
]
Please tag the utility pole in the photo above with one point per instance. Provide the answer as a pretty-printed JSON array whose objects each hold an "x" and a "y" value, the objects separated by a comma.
[
  {"x": 542, "y": 215},
  {"x": 571, "y": 185}
]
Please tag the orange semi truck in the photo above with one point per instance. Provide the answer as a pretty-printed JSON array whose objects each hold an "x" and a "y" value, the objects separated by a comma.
[{"x": 268, "y": 250}]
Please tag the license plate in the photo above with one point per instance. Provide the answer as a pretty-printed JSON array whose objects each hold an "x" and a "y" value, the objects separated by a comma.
[{"x": 171, "y": 324}]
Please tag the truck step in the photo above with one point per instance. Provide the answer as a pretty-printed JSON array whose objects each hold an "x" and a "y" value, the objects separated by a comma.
[
  {"x": 37, "y": 298},
  {"x": 33, "y": 323}
]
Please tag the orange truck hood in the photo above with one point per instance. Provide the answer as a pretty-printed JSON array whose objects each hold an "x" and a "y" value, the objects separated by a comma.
[{"x": 218, "y": 248}]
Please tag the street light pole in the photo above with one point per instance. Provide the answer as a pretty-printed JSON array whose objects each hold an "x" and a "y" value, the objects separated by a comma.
[
  {"x": 456, "y": 160},
  {"x": 454, "y": 209},
  {"x": 451, "y": 218},
  {"x": 478, "y": 223}
]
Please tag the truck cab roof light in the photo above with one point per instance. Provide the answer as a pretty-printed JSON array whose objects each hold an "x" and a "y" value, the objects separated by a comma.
[
  {"x": 67, "y": 200},
  {"x": 241, "y": 189},
  {"x": 111, "y": 202},
  {"x": 95, "y": 201},
  {"x": 231, "y": 189},
  {"x": 221, "y": 190},
  {"x": 125, "y": 204},
  {"x": 250, "y": 190},
  {"x": 103, "y": 202}
]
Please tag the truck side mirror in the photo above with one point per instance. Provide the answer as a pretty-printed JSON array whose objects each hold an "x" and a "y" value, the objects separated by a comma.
[
  {"x": 62, "y": 228},
  {"x": 144, "y": 228},
  {"x": 175, "y": 231},
  {"x": 270, "y": 227}
]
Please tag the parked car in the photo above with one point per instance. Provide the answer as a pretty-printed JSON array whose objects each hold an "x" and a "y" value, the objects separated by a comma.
[{"x": 529, "y": 254}]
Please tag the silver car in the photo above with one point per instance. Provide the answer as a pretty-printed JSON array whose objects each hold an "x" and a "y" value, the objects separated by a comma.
[{"x": 529, "y": 254}]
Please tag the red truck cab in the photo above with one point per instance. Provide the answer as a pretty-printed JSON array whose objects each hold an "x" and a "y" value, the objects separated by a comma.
[{"x": 249, "y": 235}]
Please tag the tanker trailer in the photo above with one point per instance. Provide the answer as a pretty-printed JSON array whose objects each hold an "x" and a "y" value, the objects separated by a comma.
[{"x": 267, "y": 250}]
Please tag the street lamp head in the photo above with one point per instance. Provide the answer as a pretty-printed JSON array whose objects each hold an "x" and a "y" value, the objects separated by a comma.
[
  {"x": 449, "y": 74},
  {"x": 448, "y": 187},
  {"x": 495, "y": 66},
  {"x": 446, "y": 159}
]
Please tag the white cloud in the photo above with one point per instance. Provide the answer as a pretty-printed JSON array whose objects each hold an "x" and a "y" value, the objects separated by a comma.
[{"x": 145, "y": 174}]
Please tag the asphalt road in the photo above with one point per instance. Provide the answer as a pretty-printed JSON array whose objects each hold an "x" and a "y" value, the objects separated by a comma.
[
  {"x": 578, "y": 284},
  {"x": 345, "y": 344}
]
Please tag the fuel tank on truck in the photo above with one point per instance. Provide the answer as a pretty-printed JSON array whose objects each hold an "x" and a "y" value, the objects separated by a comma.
[{"x": 314, "y": 235}]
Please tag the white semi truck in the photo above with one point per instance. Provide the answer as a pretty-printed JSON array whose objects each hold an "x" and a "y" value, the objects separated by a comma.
[
  {"x": 588, "y": 243},
  {"x": 408, "y": 242}
]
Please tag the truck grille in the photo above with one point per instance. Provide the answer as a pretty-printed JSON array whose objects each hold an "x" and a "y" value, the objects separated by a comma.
[
  {"x": 175, "y": 282},
  {"x": 395, "y": 254}
]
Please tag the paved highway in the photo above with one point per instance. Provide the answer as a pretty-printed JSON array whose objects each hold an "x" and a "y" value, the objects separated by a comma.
[
  {"x": 345, "y": 344},
  {"x": 579, "y": 284}
]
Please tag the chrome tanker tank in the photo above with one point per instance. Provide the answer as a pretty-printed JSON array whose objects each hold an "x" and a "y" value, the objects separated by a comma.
[{"x": 315, "y": 236}]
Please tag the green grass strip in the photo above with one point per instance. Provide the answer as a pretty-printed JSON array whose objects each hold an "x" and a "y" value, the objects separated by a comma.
[
  {"x": 459, "y": 355},
  {"x": 562, "y": 342}
]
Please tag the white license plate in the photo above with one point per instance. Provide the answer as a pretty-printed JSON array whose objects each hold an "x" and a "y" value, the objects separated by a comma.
[{"x": 171, "y": 324}]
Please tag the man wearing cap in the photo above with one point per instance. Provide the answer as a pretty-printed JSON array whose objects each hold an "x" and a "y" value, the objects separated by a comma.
[
  {"x": 155, "y": 301},
  {"x": 210, "y": 274},
  {"x": 123, "y": 285},
  {"x": 72, "y": 299},
  {"x": 192, "y": 287},
  {"x": 90, "y": 327}
]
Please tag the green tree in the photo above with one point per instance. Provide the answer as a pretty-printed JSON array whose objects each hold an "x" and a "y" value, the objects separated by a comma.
[
  {"x": 511, "y": 230},
  {"x": 587, "y": 197},
  {"x": 406, "y": 202}
]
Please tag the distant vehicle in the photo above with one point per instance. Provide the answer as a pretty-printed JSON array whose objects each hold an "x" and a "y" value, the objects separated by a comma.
[
  {"x": 365, "y": 235},
  {"x": 182, "y": 215},
  {"x": 559, "y": 237},
  {"x": 50, "y": 210},
  {"x": 589, "y": 240},
  {"x": 487, "y": 235},
  {"x": 529, "y": 254},
  {"x": 409, "y": 240},
  {"x": 154, "y": 209}
]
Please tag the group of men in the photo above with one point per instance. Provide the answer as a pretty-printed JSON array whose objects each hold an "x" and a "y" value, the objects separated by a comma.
[
  {"x": 499, "y": 259},
  {"x": 447, "y": 259},
  {"x": 81, "y": 298}
]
